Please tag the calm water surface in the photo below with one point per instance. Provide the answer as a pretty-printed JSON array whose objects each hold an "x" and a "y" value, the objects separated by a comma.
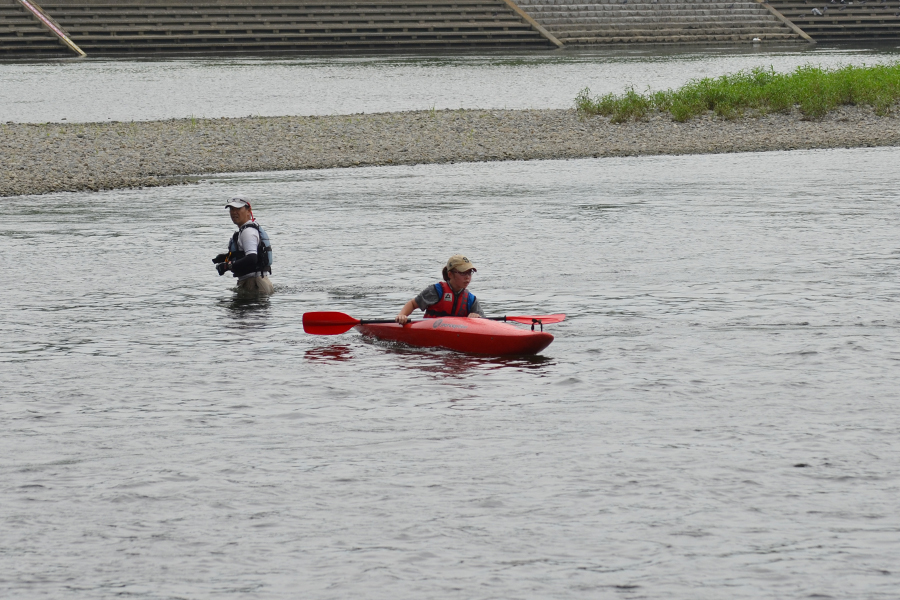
[
  {"x": 124, "y": 90},
  {"x": 716, "y": 419}
]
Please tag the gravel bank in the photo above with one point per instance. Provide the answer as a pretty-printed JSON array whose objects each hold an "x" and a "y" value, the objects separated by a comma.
[{"x": 69, "y": 157}]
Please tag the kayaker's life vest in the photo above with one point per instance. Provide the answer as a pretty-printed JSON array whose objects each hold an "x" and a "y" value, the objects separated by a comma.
[
  {"x": 450, "y": 304},
  {"x": 264, "y": 256}
]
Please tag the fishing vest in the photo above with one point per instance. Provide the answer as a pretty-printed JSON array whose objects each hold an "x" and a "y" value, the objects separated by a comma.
[
  {"x": 264, "y": 256},
  {"x": 450, "y": 304}
]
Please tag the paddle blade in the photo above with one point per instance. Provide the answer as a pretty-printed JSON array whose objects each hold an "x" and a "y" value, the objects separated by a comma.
[
  {"x": 529, "y": 319},
  {"x": 327, "y": 323}
]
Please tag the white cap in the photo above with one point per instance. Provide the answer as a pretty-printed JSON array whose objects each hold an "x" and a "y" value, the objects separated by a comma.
[{"x": 238, "y": 203}]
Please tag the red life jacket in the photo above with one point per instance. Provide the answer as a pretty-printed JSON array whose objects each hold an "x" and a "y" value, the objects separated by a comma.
[{"x": 450, "y": 304}]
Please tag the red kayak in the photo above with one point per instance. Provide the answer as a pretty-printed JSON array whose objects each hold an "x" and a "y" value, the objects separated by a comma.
[{"x": 475, "y": 336}]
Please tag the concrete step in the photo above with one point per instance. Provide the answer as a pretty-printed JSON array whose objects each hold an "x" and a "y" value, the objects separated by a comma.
[
  {"x": 674, "y": 31},
  {"x": 682, "y": 21},
  {"x": 298, "y": 28},
  {"x": 195, "y": 43},
  {"x": 497, "y": 23},
  {"x": 687, "y": 4},
  {"x": 675, "y": 39},
  {"x": 643, "y": 7},
  {"x": 486, "y": 13},
  {"x": 199, "y": 46},
  {"x": 30, "y": 28},
  {"x": 645, "y": 13},
  {"x": 657, "y": 22},
  {"x": 663, "y": 21},
  {"x": 333, "y": 34},
  {"x": 89, "y": 21},
  {"x": 129, "y": 9},
  {"x": 664, "y": 29}
]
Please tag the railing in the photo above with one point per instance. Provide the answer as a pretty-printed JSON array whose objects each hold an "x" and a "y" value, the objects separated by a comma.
[
  {"x": 787, "y": 21},
  {"x": 52, "y": 25},
  {"x": 536, "y": 25}
]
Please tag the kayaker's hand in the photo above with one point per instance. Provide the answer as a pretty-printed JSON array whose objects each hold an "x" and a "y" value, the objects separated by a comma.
[
  {"x": 222, "y": 267},
  {"x": 401, "y": 318},
  {"x": 474, "y": 316}
]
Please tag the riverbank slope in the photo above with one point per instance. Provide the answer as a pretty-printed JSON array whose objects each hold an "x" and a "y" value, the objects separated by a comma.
[{"x": 56, "y": 157}]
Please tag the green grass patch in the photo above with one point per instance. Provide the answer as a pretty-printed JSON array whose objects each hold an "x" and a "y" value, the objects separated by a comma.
[{"x": 814, "y": 90}]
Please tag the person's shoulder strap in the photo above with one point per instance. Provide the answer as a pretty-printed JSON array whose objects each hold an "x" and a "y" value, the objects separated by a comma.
[
  {"x": 439, "y": 287},
  {"x": 252, "y": 224}
]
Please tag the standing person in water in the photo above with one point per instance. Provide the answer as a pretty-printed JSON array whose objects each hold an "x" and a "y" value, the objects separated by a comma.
[
  {"x": 249, "y": 256},
  {"x": 447, "y": 298}
]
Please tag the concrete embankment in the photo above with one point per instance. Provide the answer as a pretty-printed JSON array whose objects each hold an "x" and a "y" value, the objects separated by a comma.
[
  {"x": 284, "y": 27},
  {"x": 69, "y": 157}
]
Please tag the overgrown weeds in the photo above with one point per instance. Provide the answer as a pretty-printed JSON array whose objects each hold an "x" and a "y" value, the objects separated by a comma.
[{"x": 813, "y": 90}]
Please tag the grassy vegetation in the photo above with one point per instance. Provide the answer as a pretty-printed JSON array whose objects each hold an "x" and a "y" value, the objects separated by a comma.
[{"x": 814, "y": 90}]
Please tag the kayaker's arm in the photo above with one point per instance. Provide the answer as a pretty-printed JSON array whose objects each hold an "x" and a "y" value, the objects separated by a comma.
[
  {"x": 477, "y": 311},
  {"x": 403, "y": 316}
]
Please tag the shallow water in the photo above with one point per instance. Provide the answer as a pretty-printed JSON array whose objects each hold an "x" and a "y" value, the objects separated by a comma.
[
  {"x": 731, "y": 318},
  {"x": 122, "y": 90}
]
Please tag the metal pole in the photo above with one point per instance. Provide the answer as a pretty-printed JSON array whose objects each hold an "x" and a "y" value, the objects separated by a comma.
[{"x": 52, "y": 25}]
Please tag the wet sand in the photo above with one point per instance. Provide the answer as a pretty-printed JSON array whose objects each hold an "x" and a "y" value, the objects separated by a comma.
[{"x": 52, "y": 157}]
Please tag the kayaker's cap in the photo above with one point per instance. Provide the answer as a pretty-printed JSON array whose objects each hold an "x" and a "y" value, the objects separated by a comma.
[
  {"x": 238, "y": 203},
  {"x": 460, "y": 264}
]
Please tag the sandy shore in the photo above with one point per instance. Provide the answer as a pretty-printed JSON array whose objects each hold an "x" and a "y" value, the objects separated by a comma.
[{"x": 69, "y": 157}]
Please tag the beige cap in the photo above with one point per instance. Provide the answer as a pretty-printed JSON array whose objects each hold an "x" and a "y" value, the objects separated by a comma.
[{"x": 459, "y": 263}]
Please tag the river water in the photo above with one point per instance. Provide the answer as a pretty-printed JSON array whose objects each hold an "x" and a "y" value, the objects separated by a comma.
[
  {"x": 717, "y": 417},
  {"x": 93, "y": 90}
]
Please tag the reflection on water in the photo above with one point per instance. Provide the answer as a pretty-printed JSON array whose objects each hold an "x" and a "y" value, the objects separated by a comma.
[
  {"x": 239, "y": 87},
  {"x": 445, "y": 363},
  {"x": 334, "y": 353},
  {"x": 246, "y": 312},
  {"x": 452, "y": 364},
  {"x": 734, "y": 317}
]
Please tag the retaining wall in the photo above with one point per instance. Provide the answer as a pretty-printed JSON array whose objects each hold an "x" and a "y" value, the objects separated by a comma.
[
  {"x": 848, "y": 21},
  {"x": 22, "y": 35},
  {"x": 123, "y": 27}
]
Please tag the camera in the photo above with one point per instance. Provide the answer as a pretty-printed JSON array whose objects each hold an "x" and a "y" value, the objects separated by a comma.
[{"x": 222, "y": 267}]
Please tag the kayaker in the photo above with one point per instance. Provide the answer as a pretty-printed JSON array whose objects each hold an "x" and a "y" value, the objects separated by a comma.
[
  {"x": 249, "y": 256},
  {"x": 448, "y": 298}
]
